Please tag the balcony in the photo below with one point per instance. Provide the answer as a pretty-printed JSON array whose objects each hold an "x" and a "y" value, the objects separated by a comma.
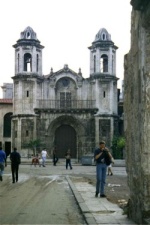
[{"x": 57, "y": 106}]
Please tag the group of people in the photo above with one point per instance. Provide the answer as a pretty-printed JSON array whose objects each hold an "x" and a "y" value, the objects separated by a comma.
[
  {"x": 15, "y": 159},
  {"x": 101, "y": 155},
  {"x": 41, "y": 160}
]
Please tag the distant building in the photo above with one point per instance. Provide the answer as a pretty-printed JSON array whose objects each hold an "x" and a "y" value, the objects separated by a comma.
[{"x": 62, "y": 109}]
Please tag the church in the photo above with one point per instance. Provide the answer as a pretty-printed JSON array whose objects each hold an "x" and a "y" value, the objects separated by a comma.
[{"x": 61, "y": 110}]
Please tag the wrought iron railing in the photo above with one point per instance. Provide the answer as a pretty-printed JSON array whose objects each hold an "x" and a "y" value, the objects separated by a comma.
[{"x": 70, "y": 104}]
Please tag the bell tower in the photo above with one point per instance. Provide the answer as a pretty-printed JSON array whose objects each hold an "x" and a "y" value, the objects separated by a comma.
[
  {"x": 103, "y": 54},
  {"x": 28, "y": 54},
  {"x": 27, "y": 87},
  {"x": 104, "y": 85}
]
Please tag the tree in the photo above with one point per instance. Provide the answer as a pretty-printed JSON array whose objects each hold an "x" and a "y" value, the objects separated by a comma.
[
  {"x": 33, "y": 144},
  {"x": 118, "y": 145}
]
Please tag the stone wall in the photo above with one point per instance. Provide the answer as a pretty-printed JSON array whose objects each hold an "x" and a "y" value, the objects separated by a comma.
[{"x": 137, "y": 112}]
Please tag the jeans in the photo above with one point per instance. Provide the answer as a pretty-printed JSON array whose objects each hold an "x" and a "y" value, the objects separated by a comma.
[
  {"x": 43, "y": 161},
  {"x": 1, "y": 169},
  {"x": 68, "y": 162},
  {"x": 101, "y": 170}
]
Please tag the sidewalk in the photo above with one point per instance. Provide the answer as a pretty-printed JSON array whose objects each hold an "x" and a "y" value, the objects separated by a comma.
[
  {"x": 97, "y": 211},
  {"x": 118, "y": 162}
]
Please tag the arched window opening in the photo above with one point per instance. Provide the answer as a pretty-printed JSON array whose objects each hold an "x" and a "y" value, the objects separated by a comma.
[
  {"x": 94, "y": 63},
  {"x": 37, "y": 63},
  {"x": 27, "y": 93},
  {"x": 7, "y": 125},
  {"x": 28, "y": 62},
  {"x": 104, "y": 64},
  {"x": 104, "y": 36},
  {"x": 104, "y": 94},
  {"x": 112, "y": 64},
  {"x": 18, "y": 58},
  {"x": 28, "y": 35}
]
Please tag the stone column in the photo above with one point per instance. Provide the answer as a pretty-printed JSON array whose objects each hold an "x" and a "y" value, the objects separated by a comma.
[{"x": 137, "y": 113}]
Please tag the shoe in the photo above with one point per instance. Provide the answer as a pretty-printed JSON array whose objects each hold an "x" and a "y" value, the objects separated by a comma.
[
  {"x": 103, "y": 196},
  {"x": 13, "y": 182},
  {"x": 96, "y": 195},
  {"x": 111, "y": 174},
  {"x": 1, "y": 178}
]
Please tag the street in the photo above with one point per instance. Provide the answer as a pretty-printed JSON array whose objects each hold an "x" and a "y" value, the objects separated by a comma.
[{"x": 42, "y": 195}]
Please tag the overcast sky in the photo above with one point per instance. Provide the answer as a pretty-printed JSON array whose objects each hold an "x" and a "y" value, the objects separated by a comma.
[{"x": 66, "y": 28}]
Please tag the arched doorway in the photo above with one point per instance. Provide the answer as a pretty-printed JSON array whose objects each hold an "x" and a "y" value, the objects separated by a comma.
[{"x": 65, "y": 138}]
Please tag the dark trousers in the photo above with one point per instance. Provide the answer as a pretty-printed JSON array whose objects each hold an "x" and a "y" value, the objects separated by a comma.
[
  {"x": 14, "y": 170},
  {"x": 55, "y": 160},
  {"x": 68, "y": 162}
]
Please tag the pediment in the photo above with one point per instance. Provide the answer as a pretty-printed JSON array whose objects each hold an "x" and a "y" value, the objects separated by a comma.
[{"x": 65, "y": 70}]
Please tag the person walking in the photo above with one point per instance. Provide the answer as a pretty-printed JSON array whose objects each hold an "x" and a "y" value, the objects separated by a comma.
[
  {"x": 100, "y": 155},
  {"x": 15, "y": 159},
  {"x": 2, "y": 163},
  {"x": 55, "y": 158},
  {"x": 44, "y": 155},
  {"x": 68, "y": 159}
]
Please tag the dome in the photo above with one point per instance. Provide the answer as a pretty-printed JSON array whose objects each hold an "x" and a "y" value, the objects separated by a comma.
[
  {"x": 103, "y": 35},
  {"x": 28, "y": 33}
]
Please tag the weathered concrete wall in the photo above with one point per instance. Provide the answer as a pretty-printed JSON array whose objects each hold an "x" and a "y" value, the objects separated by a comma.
[{"x": 137, "y": 112}]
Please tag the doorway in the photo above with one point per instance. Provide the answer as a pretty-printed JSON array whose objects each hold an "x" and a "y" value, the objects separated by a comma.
[
  {"x": 65, "y": 138},
  {"x": 8, "y": 148}
]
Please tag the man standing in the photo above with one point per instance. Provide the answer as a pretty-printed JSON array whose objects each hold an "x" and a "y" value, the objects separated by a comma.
[
  {"x": 101, "y": 168},
  {"x": 68, "y": 159},
  {"x": 15, "y": 159},
  {"x": 55, "y": 158},
  {"x": 44, "y": 155},
  {"x": 2, "y": 162}
]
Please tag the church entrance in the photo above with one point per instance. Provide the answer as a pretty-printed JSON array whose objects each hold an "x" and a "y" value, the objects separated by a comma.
[{"x": 65, "y": 138}]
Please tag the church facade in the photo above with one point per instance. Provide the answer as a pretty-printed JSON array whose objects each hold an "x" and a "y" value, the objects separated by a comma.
[{"x": 63, "y": 109}]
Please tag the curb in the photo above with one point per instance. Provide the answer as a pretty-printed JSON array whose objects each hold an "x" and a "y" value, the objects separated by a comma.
[{"x": 83, "y": 207}]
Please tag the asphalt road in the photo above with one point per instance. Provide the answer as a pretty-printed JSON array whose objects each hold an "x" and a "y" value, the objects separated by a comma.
[
  {"x": 42, "y": 195},
  {"x": 37, "y": 199}
]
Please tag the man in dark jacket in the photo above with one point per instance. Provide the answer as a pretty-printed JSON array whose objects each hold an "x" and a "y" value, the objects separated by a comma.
[
  {"x": 15, "y": 159},
  {"x": 100, "y": 155}
]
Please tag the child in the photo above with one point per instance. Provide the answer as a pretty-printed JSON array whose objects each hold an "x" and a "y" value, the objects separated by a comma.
[
  {"x": 110, "y": 170},
  {"x": 35, "y": 160}
]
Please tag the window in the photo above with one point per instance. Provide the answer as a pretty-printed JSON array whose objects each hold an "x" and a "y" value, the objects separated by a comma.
[
  {"x": 27, "y": 62},
  {"x": 112, "y": 64},
  {"x": 104, "y": 94},
  {"x": 65, "y": 99},
  {"x": 104, "y": 63},
  {"x": 7, "y": 125},
  {"x": 18, "y": 62},
  {"x": 37, "y": 63},
  {"x": 28, "y": 35},
  {"x": 27, "y": 93},
  {"x": 104, "y": 36},
  {"x": 94, "y": 63}
]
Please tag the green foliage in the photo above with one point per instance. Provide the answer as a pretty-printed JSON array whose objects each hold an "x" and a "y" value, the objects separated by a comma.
[
  {"x": 33, "y": 144},
  {"x": 118, "y": 144}
]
